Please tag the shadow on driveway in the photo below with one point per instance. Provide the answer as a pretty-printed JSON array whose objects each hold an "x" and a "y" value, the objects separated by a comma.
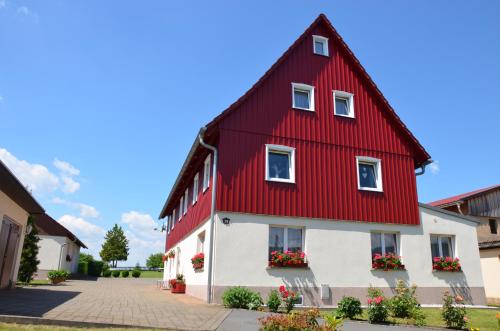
[{"x": 32, "y": 301}]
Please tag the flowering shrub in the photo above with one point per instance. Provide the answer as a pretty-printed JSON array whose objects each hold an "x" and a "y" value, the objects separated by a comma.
[
  {"x": 405, "y": 304},
  {"x": 454, "y": 311},
  {"x": 288, "y": 297},
  {"x": 388, "y": 261},
  {"x": 273, "y": 301},
  {"x": 198, "y": 261},
  {"x": 288, "y": 259},
  {"x": 377, "y": 306},
  {"x": 298, "y": 320},
  {"x": 498, "y": 319},
  {"x": 446, "y": 264}
]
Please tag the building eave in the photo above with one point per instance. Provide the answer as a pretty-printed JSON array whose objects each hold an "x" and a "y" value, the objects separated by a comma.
[{"x": 451, "y": 213}]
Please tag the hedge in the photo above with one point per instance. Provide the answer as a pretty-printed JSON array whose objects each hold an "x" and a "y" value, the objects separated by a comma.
[{"x": 83, "y": 268}]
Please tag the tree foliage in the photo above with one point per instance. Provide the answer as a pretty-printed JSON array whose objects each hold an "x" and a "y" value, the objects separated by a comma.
[
  {"x": 155, "y": 261},
  {"x": 84, "y": 257},
  {"x": 115, "y": 246},
  {"x": 29, "y": 261}
]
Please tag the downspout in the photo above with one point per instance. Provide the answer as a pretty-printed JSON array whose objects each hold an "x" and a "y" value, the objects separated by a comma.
[
  {"x": 212, "y": 213},
  {"x": 422, "y": 167}
]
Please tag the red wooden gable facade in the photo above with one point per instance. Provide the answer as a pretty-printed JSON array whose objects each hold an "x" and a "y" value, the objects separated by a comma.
[{"x": 325, "y": 145}]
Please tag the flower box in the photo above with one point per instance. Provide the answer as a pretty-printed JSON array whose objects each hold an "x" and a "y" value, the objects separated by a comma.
[
  {"x": 198, "y": 261},
  {"x": 164, "y": 258},
  {"x": 57, "y": 280},
  {"x": 447, "y": 264},
  {"x": 177, "y": 287},
  {"x": 387, "y": 262},
  {"x": 288, "y": 259}
]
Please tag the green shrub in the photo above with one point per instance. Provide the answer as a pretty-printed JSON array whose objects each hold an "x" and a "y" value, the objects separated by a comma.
[
  {"x": 125, "y": 273},
  {"x": 333, "y": 321},
  {"x": 273, "y": 301},
  {"x": 116, "y": 273},
  {"x": 405, "y": 304},
  {"x": 296, "y": 321},
  {"x": 377, "y": 306},
  {"x": 83, "y": 268},
  {"x": 349, "y": 307},
  {"x": 453, "y": 311},
  {"x": 105, "y": 266},
  {"x": 95, "y": 268},
  {"x": 58, "y": 274},
  {"x": 240, "y": 297},
  {"x": 136, "y": 273},
  {"x": 83, "y": 257},
  {"x": 106, "y": 273}
]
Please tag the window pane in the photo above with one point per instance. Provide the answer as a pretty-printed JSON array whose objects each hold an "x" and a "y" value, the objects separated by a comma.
[
  {"x": 367, "y": 175},
  {"x": 434, "y": 246},
  {"x": 341, "y": 106},
  {"x": 294, "y": 240},
  {"x": 390, "y": 243},
  {"x": 376, "y": 243},
  {"x": 493, "y": 226},
  {"x": 446, "y": 246},
  {"x": 319, "y": 48},
  {"x": 279, "y": 165},
  {"x": 301, "y": 99},
  {"x": 276, "y": 236}
]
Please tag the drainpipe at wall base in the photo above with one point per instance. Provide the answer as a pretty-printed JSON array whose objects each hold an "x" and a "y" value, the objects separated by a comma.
[
  {"x": 212, "y": 213},
  {"x": 422, "y": 167}
]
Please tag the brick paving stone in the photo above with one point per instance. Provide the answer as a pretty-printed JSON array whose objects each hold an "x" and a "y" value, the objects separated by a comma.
[{"x": 113, "y": 300}]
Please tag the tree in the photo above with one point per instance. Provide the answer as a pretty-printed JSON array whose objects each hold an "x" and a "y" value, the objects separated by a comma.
[
  {"x": 115, "y": 247},
  {"x": 84, "y": 257},
  {"x": 155, "y": 261},
  {"x": 29, "y": 262}
]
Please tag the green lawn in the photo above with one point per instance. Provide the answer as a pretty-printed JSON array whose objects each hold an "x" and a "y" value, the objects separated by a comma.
[
  {"x": 152, "y": 274},
  {"x": 35, "y": 282},
  {"x": 37, "y": 327},
  {"x": 484, "y": 319}
]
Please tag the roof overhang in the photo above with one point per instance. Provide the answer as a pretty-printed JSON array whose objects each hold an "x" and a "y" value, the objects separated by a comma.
[
  {"x": 15, "y": 190},
  {"x": 451, "y": 213}
]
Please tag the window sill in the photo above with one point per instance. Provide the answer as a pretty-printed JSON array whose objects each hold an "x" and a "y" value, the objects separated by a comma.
[
  {"x": 291, "y": 266},
  {"x": 272, "y": 180},
  {"x": 345, "y": 116},
  {"x": 447, "y": 271},
  {"x": 386, "y": 270},
  {"x": 199, "y": 270},
  {"x": 367, "y": 189},
  {"x": 305, "y": 109}
]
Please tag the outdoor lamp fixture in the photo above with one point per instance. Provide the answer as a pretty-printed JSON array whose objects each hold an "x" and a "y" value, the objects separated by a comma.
[
  {"x": 29, "y": 228},
  {"x": 226, "y": 220}
]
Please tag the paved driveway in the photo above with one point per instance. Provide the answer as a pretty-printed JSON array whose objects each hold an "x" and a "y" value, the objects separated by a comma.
[{"x": 117, "y": 301}]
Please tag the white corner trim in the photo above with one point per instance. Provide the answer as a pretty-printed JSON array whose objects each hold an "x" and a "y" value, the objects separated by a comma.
[
  {"x": 378, "y": 172},
  {"x": 283, "y": 149},
  {"x": 323, "y": 40},
  {"x": 307, "y": 88},
  {"x": 350, "y": 102}
]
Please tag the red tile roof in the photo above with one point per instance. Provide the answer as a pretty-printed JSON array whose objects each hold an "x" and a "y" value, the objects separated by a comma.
[{"x": 462, "y": 196}]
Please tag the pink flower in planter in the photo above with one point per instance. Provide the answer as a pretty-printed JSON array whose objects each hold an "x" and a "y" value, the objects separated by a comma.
[
  {"x": 379, "y": 299},
  {"x": 282, "y": 288},
  {"x": 369, "y": 301}
]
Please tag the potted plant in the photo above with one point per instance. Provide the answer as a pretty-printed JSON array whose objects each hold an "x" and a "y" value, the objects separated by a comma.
[
  {"x": 198, "y": 261},
  {"x": 178, "y": 285},
  {"x": 386, "y": 262},
  {"x": 171, "y": 254},
  {"x": 446, "y": 264},
  {"x": 164, "y": 258},
  {"x": 57, "y": 276},
  {"x": 288, "y": 259}
]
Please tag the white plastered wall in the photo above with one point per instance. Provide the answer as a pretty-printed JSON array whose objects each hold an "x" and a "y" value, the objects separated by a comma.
[{"x": 52, "y": 253}]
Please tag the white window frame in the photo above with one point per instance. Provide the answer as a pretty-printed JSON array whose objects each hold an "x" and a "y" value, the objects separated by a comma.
[
  {"x": 350, "y": 102},
  {"x": 285, "y": 235},
  {"x": 200, "y": 245},
  {"x": 196, "y": 186},
  {"x": 378, "y": 173},
  {"x": 186, "y": 200},
  {"x": 440, "y": 248},
  {"x": 168, "y": 224},
  {"x": 283, "y": 150},
  {"x": 324, "y": 41},
  {"x": 173, "y": 219},
  {"x": 181, "y": 206},
  {"x": 206, "y": 173},
  {"x": 382, "y": 241},
  {"x": 306, "y": 88}
]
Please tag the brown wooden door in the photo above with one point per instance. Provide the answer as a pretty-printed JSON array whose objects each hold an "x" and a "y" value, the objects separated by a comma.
[{"x": 9, "y": 239}]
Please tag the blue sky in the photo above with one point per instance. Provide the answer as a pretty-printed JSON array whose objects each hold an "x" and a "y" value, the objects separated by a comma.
[{"x": 100, "y": 100}]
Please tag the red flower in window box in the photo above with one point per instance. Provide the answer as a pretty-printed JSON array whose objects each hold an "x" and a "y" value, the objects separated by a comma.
[
  {"x": 288, "y": 259},
  {"x": 387, "y": 262},
  {"x": 171, "y": 254},
  {"x": 446, "y": 264},
  {"x": 164, "y": 258},
  {"x": 198, "y": 261}
]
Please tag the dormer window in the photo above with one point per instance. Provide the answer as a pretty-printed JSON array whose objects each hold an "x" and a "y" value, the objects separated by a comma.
[
  {"x": 303, "y": 96},
  {"x": 343, "y": 104},
  {"x": 320, "y": 45},
  {"x": 369, "y": 174}
]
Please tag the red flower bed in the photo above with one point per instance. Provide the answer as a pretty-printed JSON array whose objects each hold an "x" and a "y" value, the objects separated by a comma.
[
  {"x": 198, "y": 261},
  {"x": 288, "y": 259},
  {"x": 386, "y": 262},
  {"x": 446, "y": 264}
]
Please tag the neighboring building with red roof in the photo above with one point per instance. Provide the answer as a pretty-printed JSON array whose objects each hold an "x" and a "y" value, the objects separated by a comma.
[
  {"x": 59, "y": 247},
  {"x": 483, "y": 204}
]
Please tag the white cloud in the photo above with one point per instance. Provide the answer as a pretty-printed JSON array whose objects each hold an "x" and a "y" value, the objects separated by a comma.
[
  {"x": 69, "y": 185},
  {"x": 90, "y": 234},
  {"x": 35, "y": 176},
  {"x": 434, "y": 167},
  {"x": 25, "y": 11},
  {"x": 84, "y": 209},
  {"x": 66, "y": 168},
  {"x": 143, "y": 239}
]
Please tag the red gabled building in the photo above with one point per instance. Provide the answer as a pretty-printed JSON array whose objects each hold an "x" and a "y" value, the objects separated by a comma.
[{"x": 313, "y": 149}]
